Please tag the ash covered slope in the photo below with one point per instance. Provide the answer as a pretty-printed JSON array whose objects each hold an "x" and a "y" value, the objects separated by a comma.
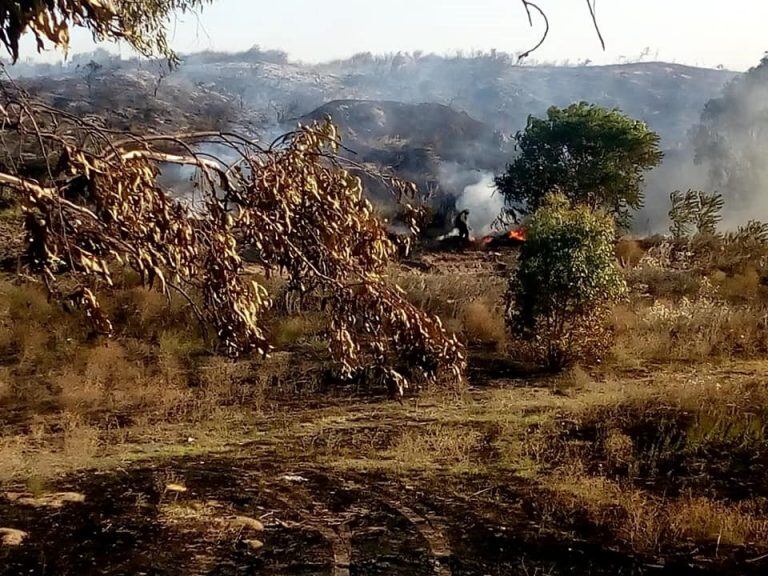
[
  {"x": 130, "y": 99},
  {"x": 270, "y": 89},
  {"x": 417, "y": 141},
  {"x": 490, "y": 88},
  {"x": 370, "y": 125},
  {"x": 436, "y": 120}
]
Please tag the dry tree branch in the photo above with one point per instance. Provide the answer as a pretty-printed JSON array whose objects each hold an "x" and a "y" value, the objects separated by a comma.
[
  {"x": 528, "y": 5},
  {"x": 296, "y": 202},
  {"x": 298, "y": 205},
  {"x": 591, "y": 4}
]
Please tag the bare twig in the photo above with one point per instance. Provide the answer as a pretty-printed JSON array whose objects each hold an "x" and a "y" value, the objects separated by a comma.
[
  {"x": 528, "y": 5},
  {"x": 592, "y": 12}
]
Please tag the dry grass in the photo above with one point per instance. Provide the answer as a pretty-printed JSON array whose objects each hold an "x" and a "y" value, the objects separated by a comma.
[
  {"x": 741, "y": 287},
  {"x": 649, "y": 524},
  {"x": 445, "y": 446},
  {"x": 690, "y": 329},
  {"x": 12, "y": 456},
  {"x": 6, "y": 384},
  {"x": 573, "y": 378},
  {"x": 483, "y": 324},
  {"x": 610, "y": 447},
  {"x": 457, "y": 298},
  {"x": 83, "y": 393},
  {"x": 46, "y": 452},
  {"x": 657, "y": 466},
  {"x": 629, "y": 252},
  {"x": 666, "y": 283},
  {"x": 691, "y": 303},
  {"x": 81, "y": 441},
  {"x": 700, "y": 519},
  {"x": 288, "y": 332}
]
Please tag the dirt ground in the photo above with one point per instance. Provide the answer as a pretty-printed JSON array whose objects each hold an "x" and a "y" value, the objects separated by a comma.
[{"x": 316, "y": 522}]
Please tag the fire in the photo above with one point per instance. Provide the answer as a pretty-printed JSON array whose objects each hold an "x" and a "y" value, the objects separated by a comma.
[
  {"x": 510, "y": 238},
  {"x": 518, "y": 234}
]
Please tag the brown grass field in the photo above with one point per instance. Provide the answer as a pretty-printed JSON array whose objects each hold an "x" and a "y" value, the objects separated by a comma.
[{"x": 147, "y": 454}]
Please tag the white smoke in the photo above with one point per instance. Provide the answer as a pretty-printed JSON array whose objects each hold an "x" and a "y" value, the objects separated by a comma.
[{"x": 484, "y": 203}]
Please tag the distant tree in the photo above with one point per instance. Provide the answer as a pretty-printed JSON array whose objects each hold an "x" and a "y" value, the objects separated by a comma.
[
  {"x": 91, "y": 71},
  {"x": 732, "y": 136},
  {"x": 567, "y": 280},
  {"x": 285, "y": 111},
  {"x": 594, "y": 156},
  {"x": 163, "y": 71}
]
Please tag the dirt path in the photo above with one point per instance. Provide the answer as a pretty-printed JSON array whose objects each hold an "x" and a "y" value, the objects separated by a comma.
[{"x": 185, "y": 517}]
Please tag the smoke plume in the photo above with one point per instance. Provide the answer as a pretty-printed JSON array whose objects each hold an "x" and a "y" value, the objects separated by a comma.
[{"x": 483, "y": 202}]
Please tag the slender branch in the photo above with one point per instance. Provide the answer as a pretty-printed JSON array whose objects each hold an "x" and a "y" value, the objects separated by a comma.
[
  {"x": 193, "y": 306},
  {"x": 528, "y": 5},
  {"x": 592, "y": 12}
]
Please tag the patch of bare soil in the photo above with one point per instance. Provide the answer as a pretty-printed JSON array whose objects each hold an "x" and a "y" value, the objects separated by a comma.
[
  {"x": 476, "y": 263},
  {"x": 255, "y": 515}
]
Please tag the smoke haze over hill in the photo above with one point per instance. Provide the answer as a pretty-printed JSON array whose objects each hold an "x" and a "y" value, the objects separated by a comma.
[{"x": 426, "y": 116}]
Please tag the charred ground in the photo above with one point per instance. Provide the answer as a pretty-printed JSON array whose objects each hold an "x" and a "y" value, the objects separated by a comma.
[{"x": 123, "y": 457}]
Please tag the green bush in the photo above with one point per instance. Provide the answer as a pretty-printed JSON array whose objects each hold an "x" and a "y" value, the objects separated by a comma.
[{"x": 567, "y": 280}]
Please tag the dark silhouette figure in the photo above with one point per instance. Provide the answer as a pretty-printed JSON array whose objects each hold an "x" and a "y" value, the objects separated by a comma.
[{"x": 462, "y": 223}]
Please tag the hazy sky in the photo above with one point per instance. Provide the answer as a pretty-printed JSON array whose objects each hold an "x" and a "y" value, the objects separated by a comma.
[{"x": 698, "y": 32}]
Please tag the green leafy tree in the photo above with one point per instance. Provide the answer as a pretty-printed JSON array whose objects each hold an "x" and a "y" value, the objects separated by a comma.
[
  {"x": 566, "y": 282},
  {"x": 594, "y": 156}
]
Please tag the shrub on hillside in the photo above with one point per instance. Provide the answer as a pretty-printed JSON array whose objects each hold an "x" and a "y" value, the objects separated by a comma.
[{"x": 565, "y": 285}]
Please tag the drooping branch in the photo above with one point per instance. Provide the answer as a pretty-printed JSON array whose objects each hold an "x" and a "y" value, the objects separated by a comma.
[
  {"x": 593, "y": 14},
  {"x": 141, "y": 23},
  {"x": 297, "y": 206}
]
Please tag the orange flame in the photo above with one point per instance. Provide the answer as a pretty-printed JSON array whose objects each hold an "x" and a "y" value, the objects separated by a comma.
[{"x": 518, "y": 234}]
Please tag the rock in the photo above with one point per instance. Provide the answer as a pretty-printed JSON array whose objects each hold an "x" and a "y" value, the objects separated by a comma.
[
  {"x": 254, "y": 544},
  {"x": 293, "y": 478},
  {"x": 246, "y": 522},
  {"x": 54, "y": 500},
  {"x": 12, "y": 537}
]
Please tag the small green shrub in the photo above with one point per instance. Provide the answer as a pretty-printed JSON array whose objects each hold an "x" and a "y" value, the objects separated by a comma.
[
  {"x": 567, "y": 280},
  {"x": 694, "y": 210}
]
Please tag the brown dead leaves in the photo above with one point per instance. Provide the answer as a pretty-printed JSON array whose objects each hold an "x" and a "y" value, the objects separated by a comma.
[{"x": 298, "y": 207}]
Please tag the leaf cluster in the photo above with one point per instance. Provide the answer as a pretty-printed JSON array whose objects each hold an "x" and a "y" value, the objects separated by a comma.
[
  {"x": 141, "y": 23},
  {"x": 695, "y": 210},
  {"x": 295, "y": 205}
]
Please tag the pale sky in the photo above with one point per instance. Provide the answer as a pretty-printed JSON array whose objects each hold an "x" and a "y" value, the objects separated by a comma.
[{"x": 697, "y": 32}]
